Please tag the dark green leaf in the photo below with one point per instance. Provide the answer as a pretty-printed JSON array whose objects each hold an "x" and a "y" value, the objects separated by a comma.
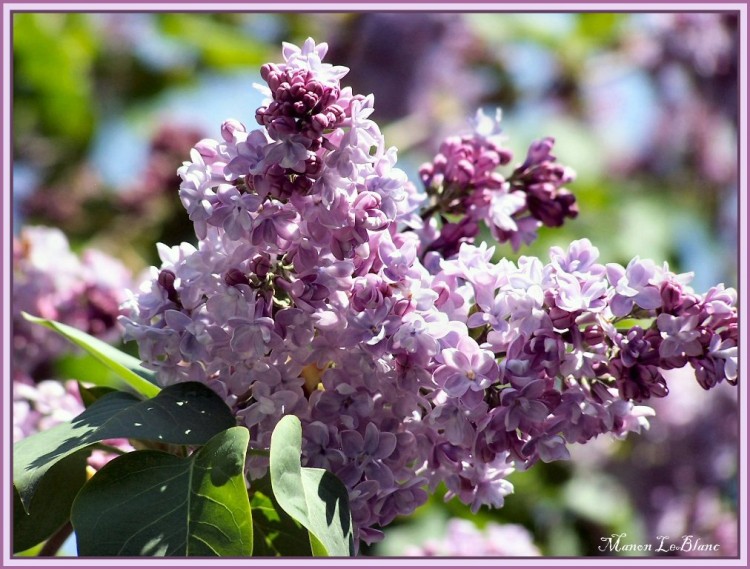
[
  {"x": 125, "y": 365},
  {"x": 312, "y": 496},
  {"x": 183, "y": 414},
  {"x": 89, "y": 395},
  {"x": 50, "y": 508},
  {"x": 154, "y": 503}
]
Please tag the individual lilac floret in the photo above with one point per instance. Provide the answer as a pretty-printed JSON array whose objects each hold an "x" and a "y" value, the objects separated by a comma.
[
  {"x": 466, "y": 367},
  {"x": 636, "y": 285}
]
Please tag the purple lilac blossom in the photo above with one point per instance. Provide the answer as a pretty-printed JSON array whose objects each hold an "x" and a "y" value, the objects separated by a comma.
[
  {"x": 408, "y": 363},
  {"x": 463, "y": 179},
  {"x": 51, "y": 281}
]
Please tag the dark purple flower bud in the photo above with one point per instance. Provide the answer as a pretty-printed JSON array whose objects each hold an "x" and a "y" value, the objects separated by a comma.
[
  {"x": 101, "y": 310},
  {"x": 671, "y": 297},
  {"x": 549, "y": 206},
  {"x": 260, "y": 265},
  {"x": 639, "y": 347},
  {"x": 594, "y": 335},
  {"x": 562, "y": 319},
  {"x": 166, "y": 281},
  {"x": 638, "y": 382},
  {"x": 301, "y": 105},
  {"x": 234, "y": 277},
  {"x": 710, "y": 371},
  {"x": 452, "y": 235},
  {"x": 539, "y": 152},
  {"x": 542, "y": 180}
]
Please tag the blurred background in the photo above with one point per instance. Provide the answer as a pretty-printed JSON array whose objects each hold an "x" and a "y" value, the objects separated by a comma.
[{"x": 643, "y": 106}]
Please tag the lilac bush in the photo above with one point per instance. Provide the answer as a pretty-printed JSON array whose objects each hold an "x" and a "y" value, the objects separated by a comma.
[{"x": 326, "y": 285}]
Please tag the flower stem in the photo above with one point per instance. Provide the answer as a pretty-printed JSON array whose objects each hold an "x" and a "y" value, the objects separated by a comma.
[{"x": 56, "y": 541}]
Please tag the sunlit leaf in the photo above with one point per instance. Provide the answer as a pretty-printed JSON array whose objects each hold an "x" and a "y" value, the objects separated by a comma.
[
  {"x": 155, "y": 503},
  {"x": 312, "y": 496},
  {"x": 125, "y": 365}
]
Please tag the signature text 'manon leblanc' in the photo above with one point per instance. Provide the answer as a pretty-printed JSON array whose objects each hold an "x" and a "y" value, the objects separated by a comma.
[{"x": 617, "y": 542}]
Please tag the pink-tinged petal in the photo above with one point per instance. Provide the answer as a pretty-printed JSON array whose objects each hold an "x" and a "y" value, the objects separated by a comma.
[
  {"x": 484, "y": 364},
  {"x": 456, "y": 359}
]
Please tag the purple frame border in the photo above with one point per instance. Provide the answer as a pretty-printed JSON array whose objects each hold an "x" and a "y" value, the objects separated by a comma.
[{"x": 359, "y": 5}]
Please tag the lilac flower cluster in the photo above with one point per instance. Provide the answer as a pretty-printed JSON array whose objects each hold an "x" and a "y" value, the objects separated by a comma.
[
  {"x": 463, "y": 180},
  {"x": 463, "y": 539},
  {"x": 51, "y": 281},
  {"x": 40, "y": 406},
  {"x": 316, "y": 290}
]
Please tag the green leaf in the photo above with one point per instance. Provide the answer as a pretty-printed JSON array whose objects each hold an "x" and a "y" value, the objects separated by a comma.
[
  {"x": 184, "y": 414},
  {"x": 312, "y": 496},
  {"x": 89, "y": 395},
  {"x": 275, "y": 533},
  {"x": 125, "y": 365},
  {"x": 50, "y": 508},
  {"x": 154, "y": 503},
  {"x": 86, "y": 367}
]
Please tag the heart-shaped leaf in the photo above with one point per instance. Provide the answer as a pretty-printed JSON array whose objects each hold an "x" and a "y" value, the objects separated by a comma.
[
  {"x": 183, "y": 414},
  {"x": 312, "y": 496},
  {"x": 126, "y": 366},
  {"x": 154, "y": 503}
]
